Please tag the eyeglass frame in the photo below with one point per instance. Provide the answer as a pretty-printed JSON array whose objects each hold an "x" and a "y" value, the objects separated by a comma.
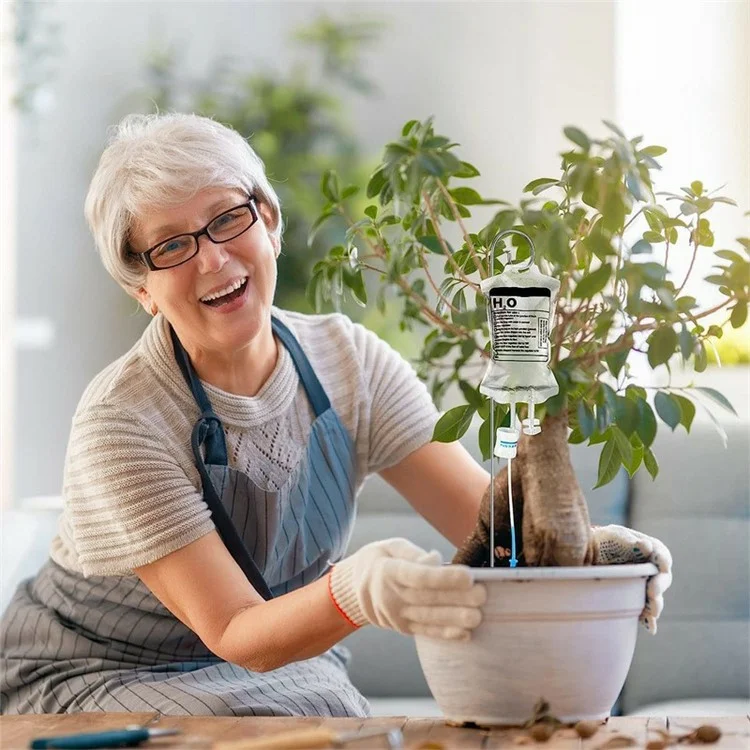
[{"x": 145, "y": 256}]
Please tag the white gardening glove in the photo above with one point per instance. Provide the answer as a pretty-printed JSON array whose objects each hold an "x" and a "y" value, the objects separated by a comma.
[
  {"x": 395, "y": 584},
  {"x": 618, "y": 545}
]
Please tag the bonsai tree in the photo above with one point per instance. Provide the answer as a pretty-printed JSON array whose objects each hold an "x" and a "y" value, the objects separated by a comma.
[{"x": 595, "y": 227}]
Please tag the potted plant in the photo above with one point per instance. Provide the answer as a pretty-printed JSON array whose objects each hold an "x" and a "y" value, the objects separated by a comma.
[{"x": 564, "y": 633}]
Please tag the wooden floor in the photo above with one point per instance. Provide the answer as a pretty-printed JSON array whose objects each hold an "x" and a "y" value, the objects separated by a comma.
[{"x": 203, "y": 732}]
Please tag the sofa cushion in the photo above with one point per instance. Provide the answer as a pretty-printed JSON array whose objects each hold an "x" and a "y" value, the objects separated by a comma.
[{"x": 699, "y": 507}]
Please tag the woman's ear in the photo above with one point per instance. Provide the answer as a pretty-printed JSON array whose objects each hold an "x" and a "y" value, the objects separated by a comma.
[
  {"x": 267, "y": 216},
  {"x": 145, "y": 299}
]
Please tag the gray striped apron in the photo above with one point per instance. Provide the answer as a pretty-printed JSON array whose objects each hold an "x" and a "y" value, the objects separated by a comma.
[{"x": 106, "y": 643}]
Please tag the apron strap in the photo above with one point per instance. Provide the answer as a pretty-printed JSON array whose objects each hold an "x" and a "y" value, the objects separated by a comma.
[
  {"x": 213, "y": 436},
  {"x": 219, "y": 515},
  {"x": 209, "y": 431},
  {"x": 315, "y": 392}
]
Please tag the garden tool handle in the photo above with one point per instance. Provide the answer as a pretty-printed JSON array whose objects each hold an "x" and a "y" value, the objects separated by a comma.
[{"x": 295, "y": 739}]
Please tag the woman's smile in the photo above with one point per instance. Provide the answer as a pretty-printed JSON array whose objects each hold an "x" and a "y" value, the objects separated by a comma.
[{"x": 229, "y": 297}]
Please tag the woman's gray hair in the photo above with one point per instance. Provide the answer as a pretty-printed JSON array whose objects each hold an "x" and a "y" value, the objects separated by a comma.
[{"x": 161, "y": 160}]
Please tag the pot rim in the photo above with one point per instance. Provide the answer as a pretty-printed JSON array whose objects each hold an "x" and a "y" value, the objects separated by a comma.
[{"x": 638, "y": 570}]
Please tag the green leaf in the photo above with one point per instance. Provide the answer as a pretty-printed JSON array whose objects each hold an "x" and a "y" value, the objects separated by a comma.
[
  {"x": 719, "y": 398},
  {"x": 430, "y": 164},
  {"x": 614, "y": 128},
  {"x": 329, "y": 185},
  {"x": 376, "y": 183},
  {"x": 626, "y": 415},
  {"x": 609, "y": 464},
  {"x": 646, "y": 427},
  {"x": 687, "y": 410},
  {"x": 622, "y": 442},
  {"x": 314, "y": 291},
  {"x": 641, "y": 247},
  {"x": 471, "y": 394},
  {"x": 668, "y": 409},
  {"x": 662, "y": 344},
  {"x": 635, "y": 392},
  {"x": 372, "y": 212},
  {"x": 348, "y": 192},
  {"x": 453, "y": 424},
  {"x": 700, "y": 359},
  {"x": 586, "y": 421},
  {"x": 613, "y": 211},
  {"x": 541, "y": 182},
  {"x": 653, "y": 237},
  {"x": 739, "y": 314},
  {"x": 466, "y": 195},
  {"x": 650, "y": 462},
  {"x": 729, "y": 255},
  {"x": 616, "y": 361},
  {"x": 467, "y": 170},
  {"x": 576, "y": 437},
  {"x": 697, "y": 187},
  {"x": 637, "y": 455},
  {"x": 653, "y": 150},
  {"x": 686, "y": 343},
  {"x": 578, "y": 137},
  {"x": 599, "y": 242},
  {"x": 407, "y": 128},
  {"x": 317, "y": 224},
  {"x": 593, "y": 283},
  {"x": 432, "y": 243},
  {"x": 356, "y": 285}
]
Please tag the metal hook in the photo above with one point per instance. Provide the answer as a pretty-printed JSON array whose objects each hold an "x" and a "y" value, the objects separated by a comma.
[{"x": 529, "y": 262}]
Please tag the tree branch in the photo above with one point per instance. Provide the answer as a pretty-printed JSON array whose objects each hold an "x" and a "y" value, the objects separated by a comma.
[
  {"x": 464, "y": 231},
  {"x": 443, "y": 245}
]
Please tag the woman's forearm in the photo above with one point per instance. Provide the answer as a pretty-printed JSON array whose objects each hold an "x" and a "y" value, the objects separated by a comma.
[{"x": 295, "y": 626}]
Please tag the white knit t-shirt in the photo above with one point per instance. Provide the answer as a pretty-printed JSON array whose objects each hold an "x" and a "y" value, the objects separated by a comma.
[{"x": 131, "y": 491}]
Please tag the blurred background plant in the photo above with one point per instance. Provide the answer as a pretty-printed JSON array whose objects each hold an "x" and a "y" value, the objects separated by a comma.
[{"x": 296, "y": 121}]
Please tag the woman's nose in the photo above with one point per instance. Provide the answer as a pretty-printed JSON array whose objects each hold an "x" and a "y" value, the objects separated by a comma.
[{"x": 211, "y": 255}]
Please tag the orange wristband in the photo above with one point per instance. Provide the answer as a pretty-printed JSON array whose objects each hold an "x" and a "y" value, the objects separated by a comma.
[{"x": 336, "y": 604}]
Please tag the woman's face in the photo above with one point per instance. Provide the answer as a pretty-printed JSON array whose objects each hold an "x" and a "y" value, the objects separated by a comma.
[{"x": 180, "y": 292}]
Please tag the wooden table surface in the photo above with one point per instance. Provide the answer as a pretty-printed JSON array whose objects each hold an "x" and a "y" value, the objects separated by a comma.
[{"x": 201, "y": 732}]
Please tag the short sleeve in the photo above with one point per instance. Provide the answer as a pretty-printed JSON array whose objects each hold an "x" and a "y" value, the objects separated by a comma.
[
  {"x": 127, "y": 499},
  {"x": 402, "y": 413}
]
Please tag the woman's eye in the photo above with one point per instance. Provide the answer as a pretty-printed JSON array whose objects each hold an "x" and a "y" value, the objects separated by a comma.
[
  {"x": 225, "y": 219},
  {"x": 172, "y": 246}
]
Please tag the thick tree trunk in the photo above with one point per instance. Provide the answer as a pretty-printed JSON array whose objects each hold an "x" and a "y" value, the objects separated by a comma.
[{"x": 551, "y": 515}]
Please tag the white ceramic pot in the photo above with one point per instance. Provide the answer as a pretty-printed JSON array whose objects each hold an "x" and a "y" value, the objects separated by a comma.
[{"x": 563, "y": 634}]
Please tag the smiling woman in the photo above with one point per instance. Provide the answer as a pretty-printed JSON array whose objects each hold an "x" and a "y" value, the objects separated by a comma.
[{"x": 212, "y": 470}]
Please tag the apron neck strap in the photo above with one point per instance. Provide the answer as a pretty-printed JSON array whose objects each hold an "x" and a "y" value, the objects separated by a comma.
[
  {"x": 208, "y": 430},
  {"x": 315, "y": 392},
  {"x": 215, "y": 443}
]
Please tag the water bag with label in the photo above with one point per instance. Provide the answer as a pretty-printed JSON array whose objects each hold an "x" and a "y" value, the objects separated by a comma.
[{"x": 520, "y": 306}]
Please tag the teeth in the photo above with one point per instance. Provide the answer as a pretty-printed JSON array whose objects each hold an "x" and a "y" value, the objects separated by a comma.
[{"x": 227, "y": 290}]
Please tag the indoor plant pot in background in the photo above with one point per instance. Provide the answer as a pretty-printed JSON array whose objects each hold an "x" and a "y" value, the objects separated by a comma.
[{"x": 556, "y": 627}]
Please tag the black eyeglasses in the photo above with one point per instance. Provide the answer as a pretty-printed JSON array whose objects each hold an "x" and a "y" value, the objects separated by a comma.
[{"x": 182, "y": 247}]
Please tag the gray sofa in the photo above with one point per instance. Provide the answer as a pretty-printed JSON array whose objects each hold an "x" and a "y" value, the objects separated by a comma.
[{"x": 698, "y": 663}]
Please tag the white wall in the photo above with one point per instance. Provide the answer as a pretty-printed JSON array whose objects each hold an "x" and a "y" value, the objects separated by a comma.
[
  {"x": 683, "y": 79},
  {"x": 501, "y": 78}
]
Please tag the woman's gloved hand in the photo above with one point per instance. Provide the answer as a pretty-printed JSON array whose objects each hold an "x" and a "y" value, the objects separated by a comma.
[
  {"x": 395, "y": 584},
  {"x": 620, "y": 545}
]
